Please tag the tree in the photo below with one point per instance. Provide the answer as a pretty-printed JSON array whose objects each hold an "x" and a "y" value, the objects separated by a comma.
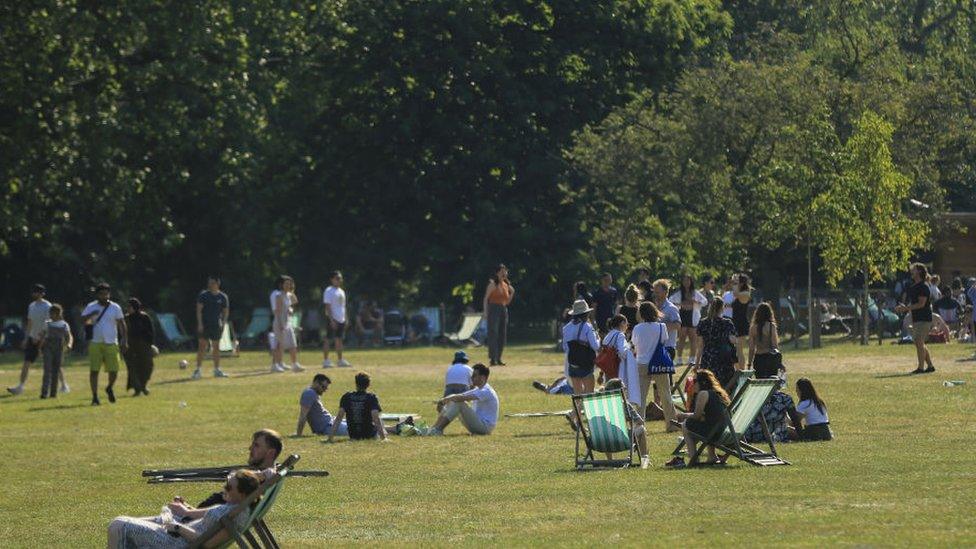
[{"x": 862, "y": 216}]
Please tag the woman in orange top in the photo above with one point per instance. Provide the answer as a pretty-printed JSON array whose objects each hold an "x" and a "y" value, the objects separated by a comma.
[{"x": 498, "y": 295}]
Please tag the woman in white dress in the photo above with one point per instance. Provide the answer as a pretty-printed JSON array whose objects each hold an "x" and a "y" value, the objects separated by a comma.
[{"x": 168, "y": 532}]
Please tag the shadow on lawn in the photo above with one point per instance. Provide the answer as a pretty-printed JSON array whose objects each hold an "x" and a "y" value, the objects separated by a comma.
[
  {"x": 886, "y": 376},
  {"x": 59, "y": 407}
]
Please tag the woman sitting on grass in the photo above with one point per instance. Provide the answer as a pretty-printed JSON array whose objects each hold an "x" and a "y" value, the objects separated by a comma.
[
  {"x": 709, "y": 409},
  {"x": 167, "y": 531},
  {"x": 813, "y": 411}
]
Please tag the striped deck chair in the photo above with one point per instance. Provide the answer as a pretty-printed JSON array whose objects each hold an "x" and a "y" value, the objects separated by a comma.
[
  {"x": 605, "y": 426},
  {"x": 255, "y": 524},
  {"x": 745, "y": 407}
]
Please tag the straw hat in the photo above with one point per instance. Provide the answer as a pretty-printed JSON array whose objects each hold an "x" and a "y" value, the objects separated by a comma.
[{"x": 580, "y": 308}]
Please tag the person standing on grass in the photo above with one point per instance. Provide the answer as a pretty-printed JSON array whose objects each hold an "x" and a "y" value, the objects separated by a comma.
[
  {"x": 580, "y": 345},
  {"x": 334, "y": 301},
  {"x": 285, "y": 338},
  {"x": 920, "y": 307},
  {"x": 689, "y": 302},
  {"x": 718, "y": 343},
  {"x": 708, "y": 288},
  {"x": 606, "y": 298},
  {"x": 213, "y": 308},
  {"x": 764, "y": 357},
  {"x": 37, "y": 316},
  {"x": 670, "y": 314},
  {"x": 498, "y": 296},
  {"x": 313, "y": 412},
  {"x": 740, "y": 318},
  {"x": 108, "y": 337},
  {"x": 647, "y": 335},
  {"x": 629, "y": 308},
  {"x": 139, "y": 357},
  {"x": 55, "y": 341},
  {"x": 361, "y": 410},
  {"x": 479, "y": 419}
]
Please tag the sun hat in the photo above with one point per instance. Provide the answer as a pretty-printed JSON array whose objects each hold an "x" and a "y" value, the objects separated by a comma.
[{"x": 580, "y": 307}]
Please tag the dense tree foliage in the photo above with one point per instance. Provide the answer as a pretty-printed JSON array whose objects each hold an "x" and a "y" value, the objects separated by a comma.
[{"x": 414, "y": 144}]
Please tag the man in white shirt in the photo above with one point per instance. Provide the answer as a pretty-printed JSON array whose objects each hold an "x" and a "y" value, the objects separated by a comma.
[
  {"x": 334, "y": 302},
  {"x": 108, "y": 338},
  {"x": 670, "y": 314},
  {"x": 37, "y": 315},
  {"x": 458, "y": 378},
  {"x": 479, "y": 419}
]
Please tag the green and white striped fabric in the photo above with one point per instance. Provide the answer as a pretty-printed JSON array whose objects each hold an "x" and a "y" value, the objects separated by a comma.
[
  {"x": 748, "y": 404},
  {"x": 607, "y": 421}
]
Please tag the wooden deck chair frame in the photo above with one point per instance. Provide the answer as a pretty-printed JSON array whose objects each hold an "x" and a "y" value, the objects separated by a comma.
[
  {"x": 255, "y": 520},
  {"x": 469, "y": 325},
  {"x": 585, "y": 432},
  {"x": 730, "y": 441},
  {"x": 677, "y": 388}
]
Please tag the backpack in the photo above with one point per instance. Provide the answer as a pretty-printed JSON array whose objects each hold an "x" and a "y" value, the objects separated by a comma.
[
  {"x": 608, "y": 360},
  {"x": 580, "y": 356}
]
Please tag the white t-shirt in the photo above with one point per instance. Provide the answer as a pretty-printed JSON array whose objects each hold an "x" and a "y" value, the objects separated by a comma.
[
  {"x": 37, "y": 314},
  {"x": 813, "y": 415},
  {"x": 458, "y": 374},
  {"x": 645, "y": 338},
  {"x": 335, "y": 298},
  {"x": 106, "y": 330},
  {"x": 486, "y": 405},
  {"x": 727, "y": 298},
  {"x": 274, "y": 300}
]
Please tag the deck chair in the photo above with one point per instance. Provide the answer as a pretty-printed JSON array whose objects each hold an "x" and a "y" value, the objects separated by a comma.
[
  {"x": 738, "y": 381},
  {"x": 259, "y": 326},
  {"x": 255, "y": 524},
  {"x": 678, "y": 389},
  {"x": 743, "y": 410},
  {"x": 605, "y": 426},
  {"x": 798, "y": 327},
  {"x": 469, "y": 323},
  {"x": 173, "y": 330}
]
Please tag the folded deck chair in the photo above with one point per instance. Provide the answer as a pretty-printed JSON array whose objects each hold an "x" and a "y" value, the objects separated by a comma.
[
  {"x": 255, "y": 524},
  {"x": 469, "y": 323},
  {"x": 605, "y": 426},
  {"x": 260, "y": 325},
  {"x": 745, "y": 407},
  {"x": 172, "y": 328}
]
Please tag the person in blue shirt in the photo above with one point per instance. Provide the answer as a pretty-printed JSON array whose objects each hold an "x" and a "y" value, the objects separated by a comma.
[{"x": 313, "y": 412}]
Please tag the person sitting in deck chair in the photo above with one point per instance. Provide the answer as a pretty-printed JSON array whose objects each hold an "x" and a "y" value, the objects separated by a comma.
[
  {"x": 707, "y": 414},
  {"x": 313, "y": 411},
  {"x": 479, "y": 419},
  {"x": 781, "y": 416},
  {"x": 167, "y": 530},
  {"x": 265, "y": 448},
  {"x": 640, "y": 432}
]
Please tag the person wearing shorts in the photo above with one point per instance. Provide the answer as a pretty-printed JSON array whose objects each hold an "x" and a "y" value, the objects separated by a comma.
[
  {"x": 108, "y": 337},
  {"x": 37, "y": 316},
  {"x": 334, "y": 303},
  {"x": 284, "y": 302},
  {"x": 213, "y": 307},
  {"x": 920, "y": 307}
]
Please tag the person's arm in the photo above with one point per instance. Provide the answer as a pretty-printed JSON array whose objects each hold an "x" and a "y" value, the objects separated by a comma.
[
  {"x": 378, "y": 425},
  {"x": 459, "y": 397},
  {"x": 302, "y": 416},
  {"x": 340, "y": 415},
  {"x": 226, "y": 309},
  {"x": 199, "y": 317},
  {"x": 327, "y": 306},
  {"x": 752, "y": 344},
  {"x": 23, "y": 344},
  {"x": 773, "y": 336},
  {"x": 488, "y": 290},
  {"x": 701, "y": 399},
  {"x": 593, "y": 340},
  {"x": 123, "y": 334},
  {"x": 511, "y": 292},
  {"x": 70, "y": 342}
]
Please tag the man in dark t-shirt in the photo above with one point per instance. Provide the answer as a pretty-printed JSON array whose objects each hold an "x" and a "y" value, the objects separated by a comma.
[
  {"x": 920, "y": 306},
  {"x": 606, "y": 297},
  {"x": 361, "y": 411},
  {"x": 213, "y": 306}
]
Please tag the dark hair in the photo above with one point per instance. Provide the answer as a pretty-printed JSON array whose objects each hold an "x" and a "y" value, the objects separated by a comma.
[
  {"x": 715, "y": 308},
  {"x": 271, "y": 438},
  {"x": 135, "y": 304},
  {"x": 56, "y": 308},
  {"x": 38, "y": 288},
  {"x": 319, "y": 378},
  {"x": 805, "y": 391},
  {"x": 691, "y": 285},
  {"x": 215, "y": 278},
  {"x": 707, "y": 277},
  {"x": 613, "y": 384},
  {"x": 494, "y": 274},
  {"x": 649, "y": 312},
  {"x": 334, "y": 274},
  {"x": 922, "y": 269},
  {"x": 579, "y": 288},
  {"x": 606, "y": 275},
  {"x": 615, "y": 321},
  {"x": 762, "y": 315},
  {"x": 481, "y": 370},
  {"x": 645, "y": 287},
  {"x": 362, "y": 381},
  {"x": 744, "y": 283},
  {"x": 631, "y": 295},
  {"x": 707, "y": 381},
  {"x": 102, "y": 286}
]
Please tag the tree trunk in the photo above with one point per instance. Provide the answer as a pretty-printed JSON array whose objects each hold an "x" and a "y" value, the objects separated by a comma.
[
  {"x": 865, "y": 318},
  {"x": 810, "y": 292}
]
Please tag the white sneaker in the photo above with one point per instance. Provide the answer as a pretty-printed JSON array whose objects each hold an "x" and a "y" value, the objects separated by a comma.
[
  {"x": 326, "y": 363},
  {"x": 196, "y": 374},
  {"x": 15, "y": 390},
  {"x": 65, "y": 389},
  {"x": 296, "y": 367},
  {"x": 219, "y": 373},
  {"x": 278, "y": 368},
  {"x": 343, "y": 363}
]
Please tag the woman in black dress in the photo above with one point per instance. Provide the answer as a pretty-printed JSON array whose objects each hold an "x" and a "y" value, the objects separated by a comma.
[
  {"x": 139, "y": 356},
  {"x": 718, "y": 343},
  {"x": 704, "y": 422},
  {"x": 629, "y": 308},
  {"x": 740, "y": 317}
]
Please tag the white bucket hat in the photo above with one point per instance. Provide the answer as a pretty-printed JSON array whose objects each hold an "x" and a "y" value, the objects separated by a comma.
[{"x": 580, "y": 308}]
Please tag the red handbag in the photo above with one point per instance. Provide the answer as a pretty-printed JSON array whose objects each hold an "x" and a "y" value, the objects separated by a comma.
[{"x": 608, "y": 361}]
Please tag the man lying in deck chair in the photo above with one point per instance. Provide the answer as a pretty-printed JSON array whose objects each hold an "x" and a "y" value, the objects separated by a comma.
[{"x": 265, "y": 448}]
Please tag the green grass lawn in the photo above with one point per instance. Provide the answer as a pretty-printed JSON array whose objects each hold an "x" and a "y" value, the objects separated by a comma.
[{"x": 901, "y": 471}]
